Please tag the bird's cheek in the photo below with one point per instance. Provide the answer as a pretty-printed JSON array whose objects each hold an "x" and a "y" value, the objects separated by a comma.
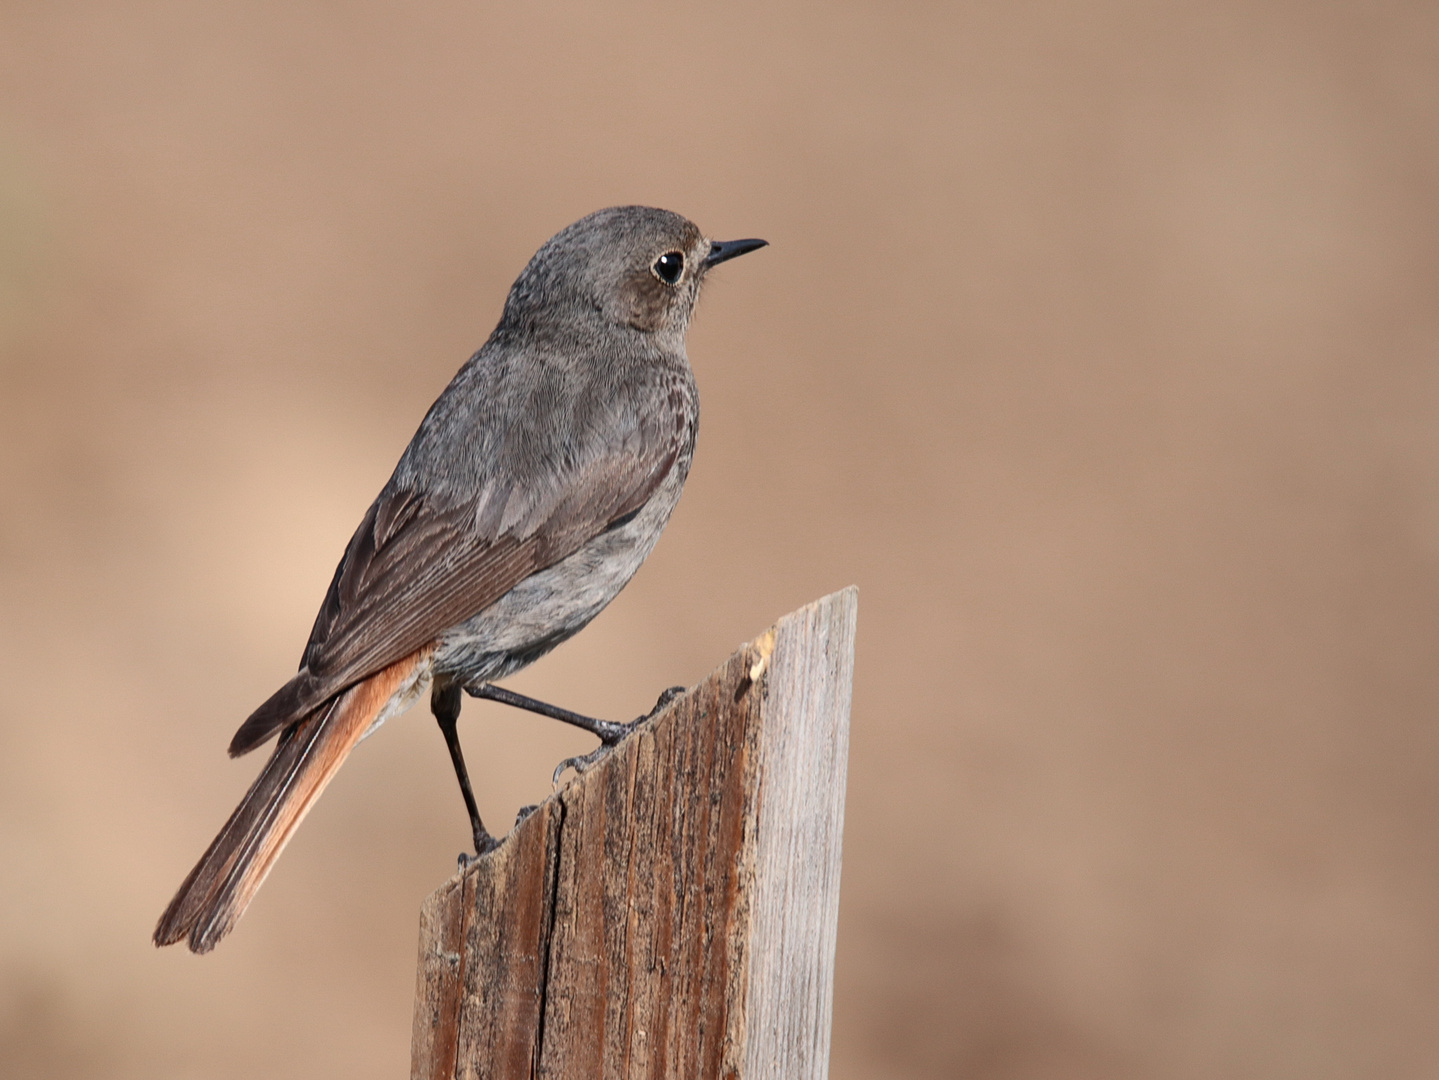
[{"x": 644, "y": 303}]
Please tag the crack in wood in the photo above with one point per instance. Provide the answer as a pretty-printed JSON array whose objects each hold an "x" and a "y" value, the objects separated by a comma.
[{"x": 547, "y": 927}]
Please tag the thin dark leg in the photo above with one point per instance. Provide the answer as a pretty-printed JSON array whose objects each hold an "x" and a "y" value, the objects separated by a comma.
[
  {"x": 607, "y": 731},
  {"x": 445, "y": 704}
]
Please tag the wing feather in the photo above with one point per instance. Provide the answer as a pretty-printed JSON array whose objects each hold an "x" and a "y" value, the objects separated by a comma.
[{"x": 422, "y": 563}]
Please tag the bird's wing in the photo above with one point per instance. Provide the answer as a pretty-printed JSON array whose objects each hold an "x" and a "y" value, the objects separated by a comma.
[{"x": 420, "y": 564}]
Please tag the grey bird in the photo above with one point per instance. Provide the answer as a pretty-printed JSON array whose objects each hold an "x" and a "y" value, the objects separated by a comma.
[{"x": 534, "y": 488}]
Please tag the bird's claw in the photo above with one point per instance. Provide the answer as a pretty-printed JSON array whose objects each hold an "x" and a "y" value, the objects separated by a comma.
[
  {"x": 484, "y": 844},
  {"x": 660, "y": 702},
  {"x": 585, "y": 762}
]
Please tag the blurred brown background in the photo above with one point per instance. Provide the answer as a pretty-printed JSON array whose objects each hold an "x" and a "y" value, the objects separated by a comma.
[{"x": 1097, "y": 344}]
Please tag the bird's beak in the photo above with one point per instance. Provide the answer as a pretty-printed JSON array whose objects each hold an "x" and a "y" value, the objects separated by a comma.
[{"x": 720, "y": 250}]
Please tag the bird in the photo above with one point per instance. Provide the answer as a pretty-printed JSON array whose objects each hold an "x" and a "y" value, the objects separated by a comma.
[{"x": 533, "y": 489}]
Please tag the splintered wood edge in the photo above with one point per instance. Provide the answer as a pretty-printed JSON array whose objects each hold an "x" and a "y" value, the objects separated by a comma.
[{"x": 794, "y": 906}]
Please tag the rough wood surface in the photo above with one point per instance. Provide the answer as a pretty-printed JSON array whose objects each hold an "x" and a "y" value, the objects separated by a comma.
[{"x": 671, "y": 913}]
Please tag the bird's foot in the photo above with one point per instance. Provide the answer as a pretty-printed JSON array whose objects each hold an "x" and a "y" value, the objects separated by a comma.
[
  {"x": 484, "y": 844},
  {"x": 663, "y": 700},
  {"x": 585, "y": 762}
]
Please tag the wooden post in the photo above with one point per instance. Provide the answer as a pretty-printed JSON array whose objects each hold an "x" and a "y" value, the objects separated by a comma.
[{"x": 672, "y": 912}]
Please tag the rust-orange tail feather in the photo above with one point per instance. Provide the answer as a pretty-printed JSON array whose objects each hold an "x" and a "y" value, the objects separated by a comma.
[{"x": 225, "y": 880}]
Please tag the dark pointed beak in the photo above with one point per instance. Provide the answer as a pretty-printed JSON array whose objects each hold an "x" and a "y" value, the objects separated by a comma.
[{"x": 721, "y": 250}]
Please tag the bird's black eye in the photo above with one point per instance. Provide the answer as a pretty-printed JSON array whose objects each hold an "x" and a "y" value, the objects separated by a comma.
[{"x": 669, "y": 266}]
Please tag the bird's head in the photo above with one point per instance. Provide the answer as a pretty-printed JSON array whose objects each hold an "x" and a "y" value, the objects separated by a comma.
[{"x": 633, "y": 267}]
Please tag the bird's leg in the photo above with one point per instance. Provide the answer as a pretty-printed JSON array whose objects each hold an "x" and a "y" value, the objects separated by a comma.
[
  {"x": 607, "y": 731},
  {"x": 445, "y": 704}
]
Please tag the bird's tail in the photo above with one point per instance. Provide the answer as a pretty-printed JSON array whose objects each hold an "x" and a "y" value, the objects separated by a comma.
[{"x": 225, "y": 880}]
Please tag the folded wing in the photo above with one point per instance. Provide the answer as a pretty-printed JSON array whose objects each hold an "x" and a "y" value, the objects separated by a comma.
[{"x": 422, "y": 562}]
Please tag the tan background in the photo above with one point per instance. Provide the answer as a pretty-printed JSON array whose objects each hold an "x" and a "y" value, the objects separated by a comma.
[{"x": 1097, "y": 344}]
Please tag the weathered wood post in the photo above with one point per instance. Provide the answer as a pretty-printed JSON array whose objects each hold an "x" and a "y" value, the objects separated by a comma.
[{"x": 672, "y": 912}]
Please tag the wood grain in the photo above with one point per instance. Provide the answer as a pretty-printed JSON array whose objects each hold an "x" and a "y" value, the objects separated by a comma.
[{"x": 671, "y": 913}]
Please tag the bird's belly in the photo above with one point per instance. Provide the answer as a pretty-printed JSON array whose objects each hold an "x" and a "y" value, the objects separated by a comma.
[{"x": 552, "y": 605}]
